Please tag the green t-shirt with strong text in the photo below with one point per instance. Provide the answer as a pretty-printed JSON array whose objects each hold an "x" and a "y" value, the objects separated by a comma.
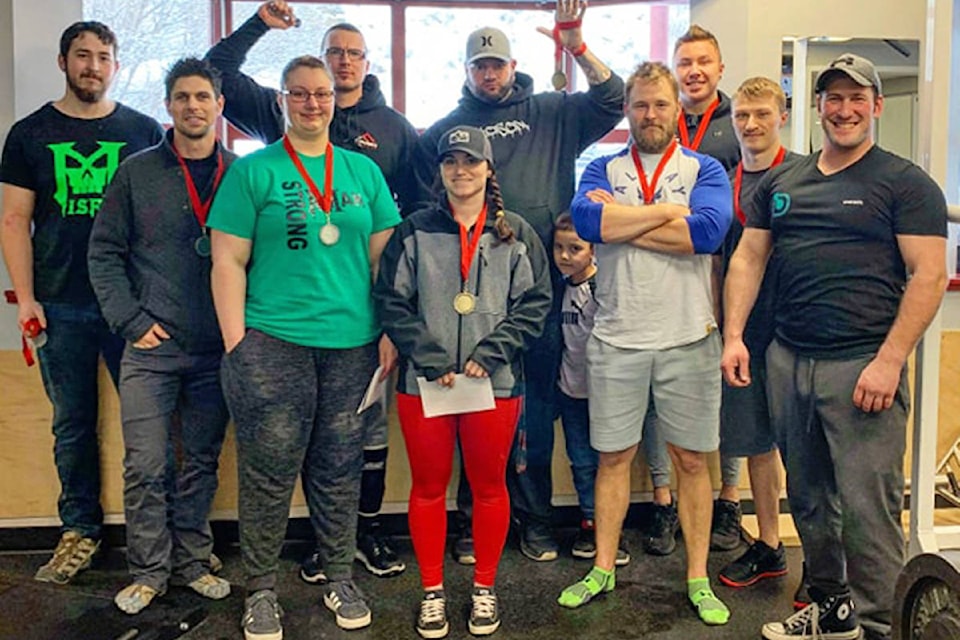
[{"x": 299, "y": 289}]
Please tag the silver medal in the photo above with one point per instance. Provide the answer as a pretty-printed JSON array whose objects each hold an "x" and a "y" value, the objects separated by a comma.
[{"x": 329, "y": 234}]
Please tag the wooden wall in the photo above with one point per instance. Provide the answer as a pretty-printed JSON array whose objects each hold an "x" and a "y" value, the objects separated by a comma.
[{"x": 29, "y": 486}]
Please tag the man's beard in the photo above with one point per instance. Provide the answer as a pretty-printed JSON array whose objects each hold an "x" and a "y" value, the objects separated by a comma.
[
  {"x": 656, "y": 144},
  {"x": 85, "y": 95}
]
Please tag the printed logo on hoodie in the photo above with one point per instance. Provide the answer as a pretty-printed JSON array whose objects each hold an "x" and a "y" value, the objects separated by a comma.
[
  {"x": 507, "y": 129},
  {"x": 366, "y": 141}
]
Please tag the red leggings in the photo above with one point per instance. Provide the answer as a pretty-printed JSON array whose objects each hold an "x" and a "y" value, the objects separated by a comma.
[{"x": 485, "y": 439}]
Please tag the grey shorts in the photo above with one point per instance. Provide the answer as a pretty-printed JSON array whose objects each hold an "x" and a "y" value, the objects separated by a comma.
[
  {"x": 684, "y": 382},
  {"x": 745, "y": 428}
]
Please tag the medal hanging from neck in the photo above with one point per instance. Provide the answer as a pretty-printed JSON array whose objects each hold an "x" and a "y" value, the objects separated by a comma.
[
  {"x": 701, "y": 128},
  {"x": 650, "y": 188},
  {"x": 465, "y": 302},
  {"x": 329, "y": 232},
  {"x": 200, "y": 208},
  {"x": 738, "y": 182}
]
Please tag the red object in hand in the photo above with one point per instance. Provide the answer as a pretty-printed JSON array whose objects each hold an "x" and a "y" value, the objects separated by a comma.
[
  {"x": 32, "y": 328},
  {"x": 33, "y": 338}
]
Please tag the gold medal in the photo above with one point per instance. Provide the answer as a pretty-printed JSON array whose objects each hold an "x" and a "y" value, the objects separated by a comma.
[
  {"x": 559, "y": 80},
  {"x": 464, "y": 303}
]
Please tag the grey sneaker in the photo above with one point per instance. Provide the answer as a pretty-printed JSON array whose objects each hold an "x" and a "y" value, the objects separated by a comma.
[
  {"x": 537, "y": 543},
  {"x": 484, "y": 613},
  {"x": 72, "y": 555},
  {"x": 432, "y": 621},
  {"x": 216, "y": 564},
  {"x": 346, "y": 600},
  {"x": 261, "y": 619}
]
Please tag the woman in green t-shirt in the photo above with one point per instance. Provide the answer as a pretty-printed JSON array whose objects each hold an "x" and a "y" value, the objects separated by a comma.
[{"x": 297, "y": 232}]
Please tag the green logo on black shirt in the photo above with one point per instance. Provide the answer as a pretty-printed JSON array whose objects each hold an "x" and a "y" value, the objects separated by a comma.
[{"x": 81, "y": 180}]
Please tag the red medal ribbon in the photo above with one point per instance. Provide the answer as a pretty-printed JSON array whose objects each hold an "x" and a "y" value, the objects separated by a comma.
[
  {"x": 701, "y": 128},
  {"x": 31, "y": 329},
  {"x": 325, "y": 199},
  {"x": 200, "y": 209},
  {"x": 738, "y": 182},
  {"x": 468, "y": 247},
  {"x": 650, "y": 189}
]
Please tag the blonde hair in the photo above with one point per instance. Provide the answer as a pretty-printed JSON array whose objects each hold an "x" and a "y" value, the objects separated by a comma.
[
  {"x": 761, "y": 88},
  {"x": 650, "y": 71}
]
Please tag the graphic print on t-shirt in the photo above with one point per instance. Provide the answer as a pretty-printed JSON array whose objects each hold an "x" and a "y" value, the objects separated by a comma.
[{"x": 81, "y": 180}]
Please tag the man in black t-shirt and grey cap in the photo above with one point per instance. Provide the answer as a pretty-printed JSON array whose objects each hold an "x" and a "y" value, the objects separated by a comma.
[{"x": 860, "y": 239}]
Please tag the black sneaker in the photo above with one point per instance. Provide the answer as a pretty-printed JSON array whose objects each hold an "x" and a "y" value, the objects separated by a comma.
[
  {"x": 375, "y": 553},
  {"x": 585, "y": 546},
  {"x": 346, "y": 601},
  {"x": 834, "y": 618},
  {"x": 463, "y": 551},
  {"x": 725, "y": 528},
  {"x": 757, "y": 562},
  {"x": 801, "y": 598},
  {"x": 432, "y": 621},
  {"x": 537, "y": 543},
  {"x": 485, "y": 612},
  {"x": 261, "y": 617},
  {"x": 311, "y": 570},
  {"x": 661, "y": 538}
]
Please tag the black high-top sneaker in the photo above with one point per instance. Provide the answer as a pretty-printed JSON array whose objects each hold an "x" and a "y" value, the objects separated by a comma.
[{"x": 830, "y": 618}]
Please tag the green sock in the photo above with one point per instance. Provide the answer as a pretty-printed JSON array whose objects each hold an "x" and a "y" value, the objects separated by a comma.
[
  {"x": 709, "y": 607},
  {"x": 580, "y": 593}
]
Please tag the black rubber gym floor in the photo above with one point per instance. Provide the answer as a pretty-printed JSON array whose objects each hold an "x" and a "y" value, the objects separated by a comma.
[{"x": 649, "y": 601}]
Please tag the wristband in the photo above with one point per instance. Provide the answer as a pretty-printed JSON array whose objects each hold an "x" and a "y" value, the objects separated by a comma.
[{"x": 579, "y": 51}]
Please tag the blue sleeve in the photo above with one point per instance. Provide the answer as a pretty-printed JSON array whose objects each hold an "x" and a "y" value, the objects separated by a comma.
[
  {"x": 586, "y": 214},
  {"x": 711, "y": 207}
]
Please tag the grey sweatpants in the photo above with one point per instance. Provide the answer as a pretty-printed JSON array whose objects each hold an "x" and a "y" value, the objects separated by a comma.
[
  {"x": 295, "y": 408},
  {"x": 844, "y": 478}
]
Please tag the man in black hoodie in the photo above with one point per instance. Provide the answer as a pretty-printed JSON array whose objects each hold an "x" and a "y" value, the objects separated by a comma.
[
  {"x": 361, "y": 122},
  {"x": 536, "y": 139}
]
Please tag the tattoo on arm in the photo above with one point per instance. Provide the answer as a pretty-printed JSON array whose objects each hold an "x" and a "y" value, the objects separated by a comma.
[{"x": 593, "y": 68}]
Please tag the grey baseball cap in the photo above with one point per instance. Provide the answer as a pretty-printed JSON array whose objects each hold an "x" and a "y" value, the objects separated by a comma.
[
  {"x": 488, "y": 43},
  {"x": 855, "y": 67},
  {"x": 471, "y": 140}
]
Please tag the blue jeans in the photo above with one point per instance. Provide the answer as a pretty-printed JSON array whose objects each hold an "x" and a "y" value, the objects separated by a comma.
[
  {"x": 529, "y": 472},
  {"x": 76, "y": 337},
  {"x": 170, "y": 397},
  {"x": 575, "y": 416}
]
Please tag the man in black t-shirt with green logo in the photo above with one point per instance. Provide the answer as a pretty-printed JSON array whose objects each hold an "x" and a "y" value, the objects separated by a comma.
[
  {"x": 848, "y": 226},
  {"x": 56, "y": 165}
]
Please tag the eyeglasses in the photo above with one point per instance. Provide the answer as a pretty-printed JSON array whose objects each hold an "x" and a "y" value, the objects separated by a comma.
[
  {"x": 339, "y": 52},
  {"x": 302, "y": 95}
]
